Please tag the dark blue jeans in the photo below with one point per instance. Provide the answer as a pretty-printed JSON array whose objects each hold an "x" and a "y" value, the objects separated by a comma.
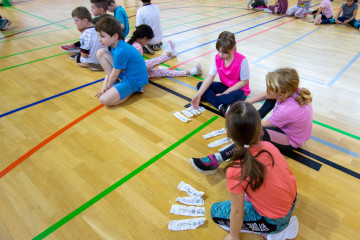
[
  {"x": 227, "y": 99},
  {"x": 341, "y": 19}
]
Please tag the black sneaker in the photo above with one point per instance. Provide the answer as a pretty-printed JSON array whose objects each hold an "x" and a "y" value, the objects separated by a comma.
[
  {"x": 205, "y": 165},
  {"x": 224, "y": 109},
  {"x": 147, "y": 49},
  {"x": 73, "y": 56}
]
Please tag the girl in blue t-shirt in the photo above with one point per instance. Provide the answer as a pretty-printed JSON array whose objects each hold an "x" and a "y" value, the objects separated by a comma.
[{"x": 348, "y": 10}]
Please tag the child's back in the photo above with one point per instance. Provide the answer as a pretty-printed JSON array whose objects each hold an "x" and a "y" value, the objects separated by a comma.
[{"x": 150, "y": 15}]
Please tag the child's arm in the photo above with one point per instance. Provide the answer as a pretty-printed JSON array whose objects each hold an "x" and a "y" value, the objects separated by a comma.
[
  {"x": 236, "y": 216},
  {"x": 195, "y": 101},
  {"x": 267, "y": 123},
  {"x": 319, "y": 11},
  {"x": 337, "y": 16},
  {"x": 237, "y": 86},
  {"x": 257, "y": 98},
  {"x": 109, "y": 81},
  {"x": 350, "y": 19}
]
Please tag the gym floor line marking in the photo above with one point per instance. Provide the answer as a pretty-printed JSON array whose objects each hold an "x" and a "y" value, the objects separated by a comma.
[
  {"x": 61, "y": 29},
  {"x": 46, "y": 141},
  {"x": 123, "y": 180},
  {"x": 47, "y": 99},
  {"x": 37, "y": 17},
  {"x": 245, "y": 38},
  {"x": 38, "y": 48},
  {"x": 27, "y": 30},
  {"x": 37, "y": 60}
]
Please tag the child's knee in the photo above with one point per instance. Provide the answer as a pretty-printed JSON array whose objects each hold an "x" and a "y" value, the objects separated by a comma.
[
  {"x": 105, "y": 101},
  {"x": 100, "y": 53}
]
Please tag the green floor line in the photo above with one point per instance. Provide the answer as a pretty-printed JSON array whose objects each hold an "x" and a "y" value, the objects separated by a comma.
[
  {"x": 38, "y": 17},
  {"x": 32, "y": 61},
  {"x": 35, "y": 34},
  {"x": 38, "y": 48},
  {"x": 101, "y": 195}
]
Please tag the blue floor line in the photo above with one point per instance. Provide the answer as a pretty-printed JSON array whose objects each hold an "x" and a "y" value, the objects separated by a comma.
[
  {"x": 344, "y": 150},
  {"x": 286, "y": 45}
]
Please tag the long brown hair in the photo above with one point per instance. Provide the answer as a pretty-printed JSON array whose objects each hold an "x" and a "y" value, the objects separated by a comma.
[
  {"x": 286, "y": 81},
  {"x": 244, "y": 128}
]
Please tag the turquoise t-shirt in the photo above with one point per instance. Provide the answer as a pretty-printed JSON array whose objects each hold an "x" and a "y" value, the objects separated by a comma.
[
  {"x": 121, "y": 15},
  {"x": 129, "y": 59}
]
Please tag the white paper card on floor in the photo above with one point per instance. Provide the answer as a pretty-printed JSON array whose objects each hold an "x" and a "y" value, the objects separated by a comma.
[
  {"x": 187, "y": 211},
  {"x": 186, "y": 224},
  {"x": 219, "y": 142},
  {"x": 187, "y": 113},
  {"x": 189, "y": 190},
  {"x": 215, "y": 133},
  {"x": 181, "y": 117},
  {"x": 193, "y": 111},
  {"x": 225, "y": 147},
  {"x": 191, "y": 201}
]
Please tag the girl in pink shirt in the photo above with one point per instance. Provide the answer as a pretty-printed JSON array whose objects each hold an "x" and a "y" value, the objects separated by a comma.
[
  {"x": 141, "y": 37},
  {"x": 261, "y": 185},
  {"x": 287, "y": 128},
  {"x": 234, "y": 74}
]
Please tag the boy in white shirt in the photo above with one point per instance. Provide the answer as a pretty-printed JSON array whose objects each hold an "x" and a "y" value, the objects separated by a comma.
[
  {"x": 89, "y": 39},
  {"x": 149, "y": 14}
]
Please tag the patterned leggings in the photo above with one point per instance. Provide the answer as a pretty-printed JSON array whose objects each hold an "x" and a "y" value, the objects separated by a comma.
[
  {"x": 253, "y": 221},
  {"x": 281, "y": 7},
  {"x": 296, "y": 11},
  {"x": 155, "y": 72}
]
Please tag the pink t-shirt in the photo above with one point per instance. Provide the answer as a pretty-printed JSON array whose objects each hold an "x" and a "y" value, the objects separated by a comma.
[
  {"x": 276, "y": 196},
  {"x": 294, "y": 120},
  {"x": 231, "y": 75},
  {"x": 327, "y": 8},
  {"x": 136, "y": 45}
]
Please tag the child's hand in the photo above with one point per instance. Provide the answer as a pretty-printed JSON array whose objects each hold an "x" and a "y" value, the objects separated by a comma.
[
  {"x": 346, "y": 22},
  {"x": 229, "y": 237},
  {"x": 219, "y": 94},
  {"x": 101, "y": 92},
  {"x": 337, "y": 21},
  {"x": 195, "y": 101}
]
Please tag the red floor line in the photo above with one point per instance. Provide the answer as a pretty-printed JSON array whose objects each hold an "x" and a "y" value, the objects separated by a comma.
[
  {"x": 46, "y": 141},
  {"x": 173, "y": 67}
]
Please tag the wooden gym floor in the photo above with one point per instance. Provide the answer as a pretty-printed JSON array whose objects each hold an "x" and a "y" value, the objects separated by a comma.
[{"x": 73, "y": 169}]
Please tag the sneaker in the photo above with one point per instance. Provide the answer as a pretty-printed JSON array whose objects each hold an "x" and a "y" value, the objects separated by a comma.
[
  {"x": 267, "y": 10},
  {"x": 70, "y": 48},
  {"x": 73, "y": 56},
  {"x": 317, "y": 19},
  {"x": 197, "y": 70},
  {"x": 205, "y": 165},
  {"x": 147, "y": 49},
  {"x": 157, "y": 46},
  {"x": 224, "y": 109},
  {"x": 6, "y": 24},
  {"x": 171, "y": 49},
  {"x": 290, "y": 232}
]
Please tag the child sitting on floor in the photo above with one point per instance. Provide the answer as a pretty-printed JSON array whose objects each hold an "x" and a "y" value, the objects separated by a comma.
[{"x": 142, "y": 35}]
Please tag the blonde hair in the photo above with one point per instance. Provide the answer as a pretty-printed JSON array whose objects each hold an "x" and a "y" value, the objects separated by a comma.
[{"x": 286, "y": 81}]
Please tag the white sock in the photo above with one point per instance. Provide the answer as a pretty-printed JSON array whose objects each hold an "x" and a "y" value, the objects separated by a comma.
[{"x": 218, "y": 158}]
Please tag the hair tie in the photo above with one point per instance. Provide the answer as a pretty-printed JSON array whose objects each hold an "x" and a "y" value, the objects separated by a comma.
[
  {"x": 297, "y": 90},
  {"x": 246, "y": 146}
]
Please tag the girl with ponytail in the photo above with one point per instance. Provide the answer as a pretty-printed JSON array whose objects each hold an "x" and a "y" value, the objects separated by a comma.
[
  {"x": 288, "y": 127},
  {"x": 262, "y": 187},
  {"x": 141, "y": 37}
]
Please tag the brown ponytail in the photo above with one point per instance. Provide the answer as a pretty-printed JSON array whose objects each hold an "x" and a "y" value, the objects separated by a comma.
[{"x": 244, "y": 126}]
